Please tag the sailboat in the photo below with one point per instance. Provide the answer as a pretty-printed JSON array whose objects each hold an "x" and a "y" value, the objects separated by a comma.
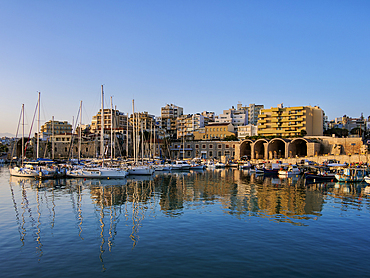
[
  {"x": 137, "y": 169},
  {"x": 98, "y": 172},
  {"x": 24, "y": 170}
]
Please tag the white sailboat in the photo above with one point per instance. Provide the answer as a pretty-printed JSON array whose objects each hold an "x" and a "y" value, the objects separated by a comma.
[
  {"x": 137, "y": 169},
  {"x": 98, "y": 172},
  {"x": 24, "y": 170}
]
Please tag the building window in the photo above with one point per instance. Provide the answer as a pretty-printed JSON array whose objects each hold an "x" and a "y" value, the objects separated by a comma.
[
  {"x": 210, "y": 154},
  {"x": 203, "y": 146},
  {"x": 188, "y": 154},
  {"x": 197, "y": 146},
  {"x": 65, "y": 149},
  {"x": 220, "y": 146},
  {"x": 233, "y": 146},
  {"x": 227, "y": 146},
  {"x": 219, "y": 154},
  {"x": 87, "y": 149},
  {"x": 188, "y": 146},
  {"x": 210, "y": 146}
]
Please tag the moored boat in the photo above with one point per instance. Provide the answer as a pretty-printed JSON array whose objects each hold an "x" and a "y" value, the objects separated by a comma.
[
  {"x": 291, "y": 170},
  {"x": 351, "y": 175}
]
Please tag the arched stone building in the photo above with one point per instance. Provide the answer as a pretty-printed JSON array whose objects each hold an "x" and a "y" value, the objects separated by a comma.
[{"x": 277, "y": 148}]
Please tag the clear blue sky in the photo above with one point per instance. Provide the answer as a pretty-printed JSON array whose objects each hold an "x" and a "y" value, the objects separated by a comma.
[{"x": 200, "y": 55}]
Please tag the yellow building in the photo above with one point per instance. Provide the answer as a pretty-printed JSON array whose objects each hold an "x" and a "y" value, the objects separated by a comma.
[
  {"x": 143, "y": 120},
  {"x": 59, "y": 128},
  {"x": 291, "y": 121},
  {"x": 214, "y": 131},
  {"x": 112, "y": 119}
]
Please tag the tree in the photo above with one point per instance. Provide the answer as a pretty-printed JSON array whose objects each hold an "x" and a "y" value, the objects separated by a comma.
[
  {"x": 303, "y": 132},
  {"x": 231, "y": 138},
  {"x": 358, "y": 131}
]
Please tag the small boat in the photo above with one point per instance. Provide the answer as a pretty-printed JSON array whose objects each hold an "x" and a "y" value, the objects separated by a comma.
[
  {"x": 256, "y": 170},
  {"x": 140, "y": 170},
  {"x": 26, "y": 171},
  {"x": 197, "y": 166},
  {"x": 219, "y": 165},
  {"x": 351, "y": 175},
  {"x": 244, "y": 165},
  {"x": 291, "y": 170},
  {"x": 180, "y": 165},
  {"x": 367, "y": 179},
  {"x": 318, "y": 177},
  {"x": 97, "y": 173}
]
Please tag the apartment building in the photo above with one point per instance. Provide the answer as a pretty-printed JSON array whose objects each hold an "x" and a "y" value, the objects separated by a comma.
[
  {"x": 58, "y": 126},
  {"x": 247, "y": 130},
  {"x": 143, "y": 120},
  {"x": 214, "y": 131},
  {"x": 253, "y": 112},
  {"x": 237, "y": 117},
  {"x": 290, "y": 121},
  {"x": 167, "y": 121},
  {"x": 112, "y": 119}
]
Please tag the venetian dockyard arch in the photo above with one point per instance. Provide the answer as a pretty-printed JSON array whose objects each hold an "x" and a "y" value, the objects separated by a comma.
[
  {"x": 245, "y": 148},
  {"x": 298, "y": 147},
  {"x": 277, "y": 148},
  {"x": 260, "y": 149}
]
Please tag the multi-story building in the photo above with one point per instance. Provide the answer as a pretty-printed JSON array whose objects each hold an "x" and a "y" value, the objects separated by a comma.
[
  {"x": 253, "y": 112},
  {"x": 221, "y": 150},
  {"x": 187, "y": 124},
  {"x": 115, "y": 122},
  {"x": 58, "y": 126},
  {"x": 291, "y": 121},
  {"x": 112, "y": 119},
  {"x": 247, "y": 130},
  {"x": 214, "y": 131},
  {"x": 237, "y": 117},
  {"x": 167, "y": 121},
  {"x": 209, "y": 115},
  {"x": 143, "y": 120}
]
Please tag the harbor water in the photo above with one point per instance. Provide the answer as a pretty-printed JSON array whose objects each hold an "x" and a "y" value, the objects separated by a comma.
[{"x": 211, "y": 223}]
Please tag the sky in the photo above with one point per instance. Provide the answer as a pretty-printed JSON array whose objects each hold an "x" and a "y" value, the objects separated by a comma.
[{"x": 200, "y": 55}]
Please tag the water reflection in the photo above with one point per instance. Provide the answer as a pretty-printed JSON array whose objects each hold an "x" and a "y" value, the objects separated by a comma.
[{"x": 239, "y": 194}]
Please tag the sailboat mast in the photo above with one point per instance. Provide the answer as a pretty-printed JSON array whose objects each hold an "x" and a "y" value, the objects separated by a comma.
[
  {"x": 102, "y": 125},
  {"x": 22, "y": 134},
  {"x": 38, "y": 127},
  {"x": 52, "y": 137},
  {"x": 111, "y": 128},
  {"x": 133, "y": 129},
  {"x": 80, "y": 133}
]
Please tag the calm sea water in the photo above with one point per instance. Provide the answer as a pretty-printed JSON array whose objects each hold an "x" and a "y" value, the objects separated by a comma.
[{"x": 224, "y": 223}]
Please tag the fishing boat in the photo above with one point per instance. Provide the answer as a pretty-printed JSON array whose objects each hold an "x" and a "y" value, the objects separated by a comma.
[
  {"x": 244, "y": 165},
  {"x": 291, "y": 170},
  {"x": 351, "y": 174}
]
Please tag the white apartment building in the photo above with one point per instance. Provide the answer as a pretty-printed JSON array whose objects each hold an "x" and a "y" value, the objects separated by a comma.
[
  {"x": 237, "y": 117},
  {"x": 247, "y": 130}
]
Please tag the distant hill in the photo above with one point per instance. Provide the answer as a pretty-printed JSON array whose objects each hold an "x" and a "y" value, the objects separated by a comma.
[{"x": 6, "y": 135}]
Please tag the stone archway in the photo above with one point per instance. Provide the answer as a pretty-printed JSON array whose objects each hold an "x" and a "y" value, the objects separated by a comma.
[
  {"x": 259, "y": 148},
  {"x": 246, "y": 149},
  {"x": 298, "y": 148},
  {"x": 276, "y": 148}
]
